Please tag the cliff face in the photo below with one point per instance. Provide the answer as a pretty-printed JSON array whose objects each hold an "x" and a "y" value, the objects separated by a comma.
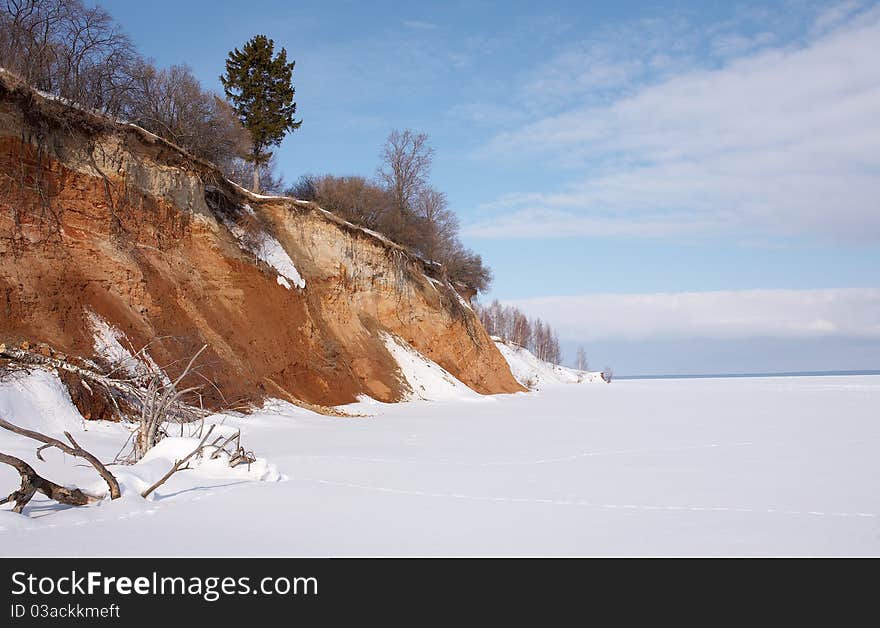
[{"x": 104, "y": 226}]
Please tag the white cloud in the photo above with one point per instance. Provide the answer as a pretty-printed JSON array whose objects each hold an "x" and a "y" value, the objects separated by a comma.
[
  {"x": 779, "y": 142},
  {"x": 849, "y": 312},
  {"x": 609, "y": 61}
]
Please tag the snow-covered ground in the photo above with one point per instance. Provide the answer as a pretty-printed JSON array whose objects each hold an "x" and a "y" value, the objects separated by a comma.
[{"x": 779, "y": 466}]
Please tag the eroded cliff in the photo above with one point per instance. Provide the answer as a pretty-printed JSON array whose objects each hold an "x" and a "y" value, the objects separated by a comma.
[{"x": 103, "y": 225}]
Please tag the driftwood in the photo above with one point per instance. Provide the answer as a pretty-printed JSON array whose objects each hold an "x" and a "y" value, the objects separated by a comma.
[
  {"x": 158, "y": 405},
  {"x": 154, "y": 396},
  {"x": 31, "y": 483},
  {"x": 181, "y": 464},
  {"x": 73, "y": 449},
  {"x": 131, "y": 392}
]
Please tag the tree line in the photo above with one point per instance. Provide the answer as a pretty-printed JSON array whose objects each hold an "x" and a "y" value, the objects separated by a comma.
[
  {"x": 511, "y": 324},
  {"x": 78, "y": 52}
]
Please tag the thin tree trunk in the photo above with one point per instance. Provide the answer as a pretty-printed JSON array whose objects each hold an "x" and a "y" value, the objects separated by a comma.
[{"x": 256, "y": 189}]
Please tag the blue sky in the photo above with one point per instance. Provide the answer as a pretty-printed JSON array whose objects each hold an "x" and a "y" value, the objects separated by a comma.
[{"x": 698, "y": 178}]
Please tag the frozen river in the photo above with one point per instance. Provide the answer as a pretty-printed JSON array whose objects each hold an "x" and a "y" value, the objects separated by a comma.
[{"x": 778, "y": 466}]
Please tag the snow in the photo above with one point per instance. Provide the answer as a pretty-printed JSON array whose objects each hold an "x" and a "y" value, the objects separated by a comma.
[
  {"x": 269, "y": 250},
  {"x": 377, "y": 235},
  {"x": 39, "y": 401},
  {"x": 107, "y": 343},
  {"x": 254, "y": 195},
  {"x": 426, "y": 379},
  {"x": 751, "y": 466},
  {"x": 535, "y": 374}
]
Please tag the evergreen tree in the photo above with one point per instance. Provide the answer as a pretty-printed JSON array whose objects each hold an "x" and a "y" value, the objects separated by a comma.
[{"x": 259, "y": 86}]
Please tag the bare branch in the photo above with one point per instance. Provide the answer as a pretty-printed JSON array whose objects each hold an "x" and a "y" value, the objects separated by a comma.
[
  {"x": 75, "y": 451},
  {"x": 179, "y": 465},
  {"x": 31, "y": 483}
]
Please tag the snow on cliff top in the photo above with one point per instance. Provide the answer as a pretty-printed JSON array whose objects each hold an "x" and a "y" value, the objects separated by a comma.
[{"x": 534, "y": 373}]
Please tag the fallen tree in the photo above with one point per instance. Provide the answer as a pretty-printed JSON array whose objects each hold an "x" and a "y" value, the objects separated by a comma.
[
  {"x": 129, "y": 394},
  {"x": 73, "y": 449},
  {"x": 31, "y": 482},
  {"x": 153, "y": 401}
]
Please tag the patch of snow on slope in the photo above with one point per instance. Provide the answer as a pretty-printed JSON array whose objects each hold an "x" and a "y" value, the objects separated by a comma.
[
  {"x": 107, "y": 343},
  {"x": 269, "y": 250},
  {"x": 427, "y": 379},
  {"x": 461, "y": 299},
  {"x": 534, "y": 373}
]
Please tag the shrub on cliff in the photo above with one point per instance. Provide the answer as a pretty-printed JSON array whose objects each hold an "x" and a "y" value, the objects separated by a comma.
[{"x": 402, "y": 205}]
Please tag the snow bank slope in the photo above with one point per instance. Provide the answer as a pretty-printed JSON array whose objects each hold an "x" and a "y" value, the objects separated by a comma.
[
  {"x": 37, "y": 400},
  {"x": 427, "y": 379},
  {"x": 534, "y": 373}
]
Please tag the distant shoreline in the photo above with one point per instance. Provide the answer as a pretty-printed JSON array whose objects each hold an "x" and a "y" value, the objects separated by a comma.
[{"x": 741, "y": 375}]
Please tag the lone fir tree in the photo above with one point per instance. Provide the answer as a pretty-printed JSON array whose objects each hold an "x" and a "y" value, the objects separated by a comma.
[{"x": 258, "y": 83}]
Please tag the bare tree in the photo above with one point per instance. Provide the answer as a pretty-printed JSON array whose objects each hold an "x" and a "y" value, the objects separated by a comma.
[
  {"x": 136, "y": 386},
  {"x": 406, "y": 165},
  {"x": 241, "y": 171},
  {"x": 581, "y": 360},
  {"x": 514, "y": 326},
  {"x": 172, "y": 104},
  {"x": 162, "y": 396},
  {"x": 440, "y": 225},
  {"x": 70, "y": 49},
  {"x": 521, "y": 328},
  {"x": 464, "y": 266}
]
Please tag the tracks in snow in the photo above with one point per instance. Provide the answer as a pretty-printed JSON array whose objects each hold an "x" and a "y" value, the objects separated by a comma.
[
  {"x": 506, "y": 463},
  {"x": 587, "y": 504}
]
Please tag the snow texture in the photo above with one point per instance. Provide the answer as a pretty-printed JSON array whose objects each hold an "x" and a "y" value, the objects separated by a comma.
[
  {"x": 731, "y": 467},
  {"x": 269, "y": 250}
]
